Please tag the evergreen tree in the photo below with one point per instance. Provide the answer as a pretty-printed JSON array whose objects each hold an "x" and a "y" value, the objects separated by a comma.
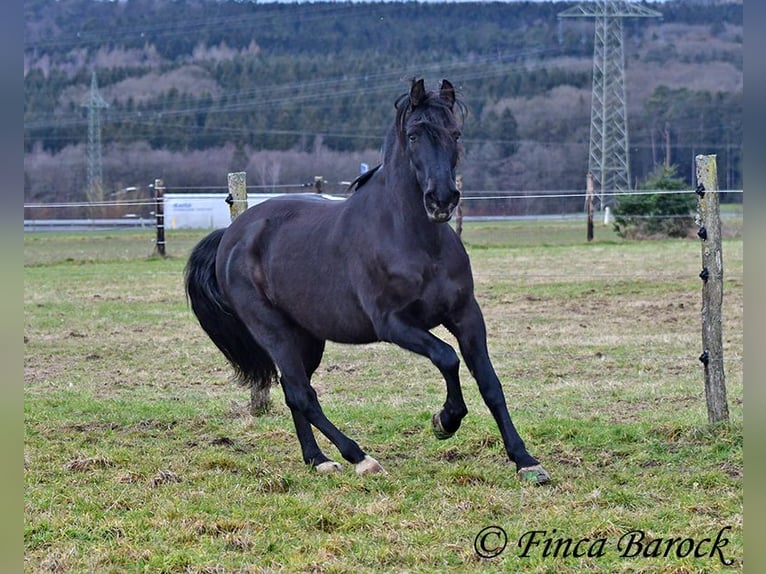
[{"x": 651, "y": 214}]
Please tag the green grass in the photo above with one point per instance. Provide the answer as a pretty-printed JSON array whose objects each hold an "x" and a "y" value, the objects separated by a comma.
[{"x": 140, "y": 455}]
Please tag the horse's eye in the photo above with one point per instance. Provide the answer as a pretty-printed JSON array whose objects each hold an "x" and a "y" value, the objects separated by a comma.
[
  {"x": 458, "y": 136},
  {"x": 413, "y": 138}
]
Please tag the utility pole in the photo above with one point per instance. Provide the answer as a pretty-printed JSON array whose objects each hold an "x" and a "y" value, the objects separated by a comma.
[
  {"x": 95, "y": 103},
  {"x": 608, "y": 157}
]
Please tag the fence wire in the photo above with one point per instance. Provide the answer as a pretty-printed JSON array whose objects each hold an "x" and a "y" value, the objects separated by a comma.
[{"x": 468, "y": 196}]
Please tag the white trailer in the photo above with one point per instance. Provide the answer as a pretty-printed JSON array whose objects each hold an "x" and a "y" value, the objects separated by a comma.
[{"x": 207, "y": 210}]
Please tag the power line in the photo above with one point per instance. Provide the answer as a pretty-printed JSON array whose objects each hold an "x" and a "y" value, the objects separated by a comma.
[{"x": 319, "y": 94}]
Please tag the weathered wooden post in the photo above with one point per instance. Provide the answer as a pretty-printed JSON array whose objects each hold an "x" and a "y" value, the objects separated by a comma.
[
  {"x": 260, "y": 399},
  {"x": 459, "y": 216},
  {"x": 159, "y": 214},
  {"x": 589, "y": 204},
  {"x": 237, "y": 198},
  {"x": 712, "y": 288}
]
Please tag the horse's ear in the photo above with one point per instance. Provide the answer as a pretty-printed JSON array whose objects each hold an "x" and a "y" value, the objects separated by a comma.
[
  {"x": 447, "y": 92},
  {"x": 417, "y": 92}
]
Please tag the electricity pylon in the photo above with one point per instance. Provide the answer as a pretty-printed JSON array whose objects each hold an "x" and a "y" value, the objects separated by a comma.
[
  {"x": 608, "y": 157},
  {"x": 94, "y": 102}
]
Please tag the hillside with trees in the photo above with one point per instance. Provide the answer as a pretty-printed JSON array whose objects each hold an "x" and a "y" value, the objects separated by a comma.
[{"x": 198, "y": 88}]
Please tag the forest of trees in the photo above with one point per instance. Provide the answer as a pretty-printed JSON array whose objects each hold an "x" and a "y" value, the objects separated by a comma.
[{"x": 198, "y": 88}]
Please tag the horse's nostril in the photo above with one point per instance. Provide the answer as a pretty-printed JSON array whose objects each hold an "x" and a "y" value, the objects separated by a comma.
[{"x": 444, "y": 201}]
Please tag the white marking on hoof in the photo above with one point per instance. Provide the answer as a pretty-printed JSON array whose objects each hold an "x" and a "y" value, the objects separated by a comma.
[
  {"x": 328, "y": 466},
  {"x": 369, "y": 466}
]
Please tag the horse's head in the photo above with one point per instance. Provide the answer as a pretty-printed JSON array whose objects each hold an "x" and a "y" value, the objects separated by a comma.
[{"x": 429, "y": 134}]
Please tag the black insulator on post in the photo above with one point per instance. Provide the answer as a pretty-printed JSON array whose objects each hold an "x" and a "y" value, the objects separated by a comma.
[
  {"x": 705, "y": 357},
  {"x": 700, "y": 190},
  {"x": 704, "y": 274},
  {"x": 229, "y": 199},
  {"x": 702, "y": 233}
]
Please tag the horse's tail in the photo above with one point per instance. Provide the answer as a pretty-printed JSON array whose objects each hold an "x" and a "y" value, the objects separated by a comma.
[{"x": 252, "y": 365}]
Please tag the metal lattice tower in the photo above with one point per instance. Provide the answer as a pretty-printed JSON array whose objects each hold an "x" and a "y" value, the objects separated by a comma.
[
  {"x": 608, "y": 158},
  {"x": 94, "y": 102}
]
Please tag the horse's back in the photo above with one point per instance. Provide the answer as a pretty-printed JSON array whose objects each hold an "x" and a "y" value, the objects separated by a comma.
[
  {"x": 303, "y": 206},
  {"x": 291, "y": 220},
  {"x": 295, "y": 252}
]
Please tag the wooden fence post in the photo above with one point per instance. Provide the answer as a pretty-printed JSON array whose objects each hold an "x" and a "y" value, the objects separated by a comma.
[
  {"x": 260, "y": 399},
  {"x": 237, "y": 198},
  {"x": 159, "y": 213},
  {"x": 712, "y": 288},
  {"x": 459, "y": 216}
]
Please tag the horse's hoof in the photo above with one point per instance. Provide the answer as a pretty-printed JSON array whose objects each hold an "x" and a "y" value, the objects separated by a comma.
[
  {"x": 369, "y": 466},
  {"x": 534, "y": 475},
  {"x": 439, "y": 431},
  {"x": 328, "y": 466}
]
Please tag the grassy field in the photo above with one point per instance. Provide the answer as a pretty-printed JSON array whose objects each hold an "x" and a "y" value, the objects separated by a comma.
[{"x": 140, "y": 455}]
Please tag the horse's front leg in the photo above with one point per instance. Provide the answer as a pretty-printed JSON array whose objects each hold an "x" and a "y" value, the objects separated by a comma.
[
  {"x": 470, "y": 331},
  {"x": 400, "y": 332}
]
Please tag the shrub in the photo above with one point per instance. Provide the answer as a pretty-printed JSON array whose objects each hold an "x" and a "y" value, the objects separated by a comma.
[{"x": 656, "y": 214}]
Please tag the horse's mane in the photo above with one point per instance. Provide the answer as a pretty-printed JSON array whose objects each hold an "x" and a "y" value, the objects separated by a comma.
[{"x": 359, "y": 181}]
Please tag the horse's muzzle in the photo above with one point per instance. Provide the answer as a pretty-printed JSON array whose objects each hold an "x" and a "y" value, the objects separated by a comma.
[{"x": 440, "y": 210}]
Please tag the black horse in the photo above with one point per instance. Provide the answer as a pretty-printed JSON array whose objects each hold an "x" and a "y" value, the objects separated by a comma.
[{"x": 383, "y": 265}]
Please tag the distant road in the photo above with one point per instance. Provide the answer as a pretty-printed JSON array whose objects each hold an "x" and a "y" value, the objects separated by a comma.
[
  {"x": 107, "y": 224},
  {"x": 86, "y": 224}
]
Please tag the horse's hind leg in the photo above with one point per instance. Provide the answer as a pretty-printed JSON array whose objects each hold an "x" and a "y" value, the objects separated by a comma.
[
  {"x": 311, "y": 353},
  {"x": 302, "y": 400},
  {"x": 288, "y": 347},
  {"x": 297, "y": 355},
  {"x": 312, "y": 454}
]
